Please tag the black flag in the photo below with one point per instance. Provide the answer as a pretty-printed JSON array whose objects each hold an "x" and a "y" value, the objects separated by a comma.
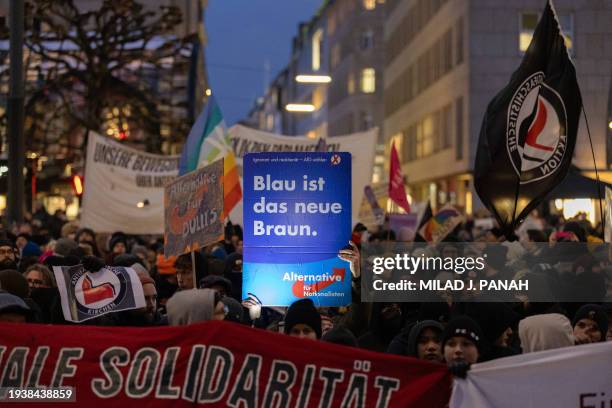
[{"x": 529, "y": 131}]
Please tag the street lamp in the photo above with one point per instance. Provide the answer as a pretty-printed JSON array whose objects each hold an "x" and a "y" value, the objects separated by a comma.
[
  {"x": 300, "y": 107},
  {"x": 313, "y": 79}
]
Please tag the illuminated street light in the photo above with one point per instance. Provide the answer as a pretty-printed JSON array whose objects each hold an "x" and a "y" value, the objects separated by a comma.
[
  {"x": 143, "y": 203},
  {"x": 610, "y": 124},
  {"x": 313, "y": 79},
  {"x": 300, "y": 107},
  {"x": 77, "y": 182},
  {"x": 208, "y": 92}
]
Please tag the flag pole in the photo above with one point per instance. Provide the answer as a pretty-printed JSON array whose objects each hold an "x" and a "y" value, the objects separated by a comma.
[{"x": 603, "y": 223}]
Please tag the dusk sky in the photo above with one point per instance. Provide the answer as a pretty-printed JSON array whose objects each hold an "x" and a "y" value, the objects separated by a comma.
[{"x": 244, "y": 36}]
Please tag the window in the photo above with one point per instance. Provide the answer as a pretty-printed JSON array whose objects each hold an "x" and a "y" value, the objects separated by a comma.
[
  {"x": 317, "y": 37},
  {"x": 331, "y": 23},
  {"x": 369, "y": 4},
  {"x": 447, "y": 52},
  {"x": 446, "y": 129},
  {"x": 428, "y": 135},
  {"x": 318, "y": 98},
  {"x": 335, "y": 55},
  {"x": 366, "y": 41},
  {"x": 368, "y": 80},
  {"x": 350, "y": 84},
  {"x": 529, "y": 21},
  {"x": 459, "y": 42},
  {"x": 459, "y": 128},
  {"x": 269, "y": 121}
]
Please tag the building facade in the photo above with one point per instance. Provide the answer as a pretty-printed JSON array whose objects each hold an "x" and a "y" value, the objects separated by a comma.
[
  {"x": 446, "y": 59},
  {"x": 345, "y": 42}
]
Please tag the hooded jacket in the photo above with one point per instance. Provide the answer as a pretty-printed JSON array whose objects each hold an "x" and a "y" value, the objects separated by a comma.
[
  {"x": 191, "y": 306},
  {"x": 415, "y": 333},
  {"x": 545, "y": 332}
]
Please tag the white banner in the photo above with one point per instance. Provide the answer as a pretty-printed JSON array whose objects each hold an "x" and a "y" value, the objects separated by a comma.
[
  {"x": 124, "y": 188},
  {"x": 576, "y": 377},
  {"x": 360, "y": 145}
]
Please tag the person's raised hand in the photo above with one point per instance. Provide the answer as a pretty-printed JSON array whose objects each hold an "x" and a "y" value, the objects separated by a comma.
[
  {"x": 253, "y": 304},
  {"x": 353, "y": 257}
]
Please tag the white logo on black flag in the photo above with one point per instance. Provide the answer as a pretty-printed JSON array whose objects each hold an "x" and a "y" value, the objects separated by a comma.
[{"x": 529, "y": 130}]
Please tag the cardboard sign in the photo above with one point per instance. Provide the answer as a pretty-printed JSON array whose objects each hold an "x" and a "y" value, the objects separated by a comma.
[
  {"x": 297, "y": 215},
  {"x": 86, "y": 295},
  {"x": 404, "y": 226},
  {"x": 193, "y": 210},
  {"x": 378, "y": 212}
]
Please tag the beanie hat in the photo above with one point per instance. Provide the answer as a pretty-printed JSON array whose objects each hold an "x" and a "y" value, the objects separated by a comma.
[
  {"x": 219, "y": 253},
  {"x": 493, "y": 319},
  {"x": 165, "y": 266},
  {"x": 14, "y": 283},
  {"x": 63, "y": 246},
  {"x": 595, "y": 313},
  {"x": 126, "y": 260},
  {"x": 82, "y": 231},
  {"x": 8, "y": 243},
  {"x": 303, "y": 312},
  {"x": 463, "y": 326},
  {"x": 144, "y": 279},
  {"x": 117, "y": 238},
  {"x": 340, "y": 335},
  {"x": 54, "y": 260},
  {"x": 235, "y": 312},
  {"x": 12, "y": 303},
  {"x": 359, "y": 227},
  {"x": 139, "y": 269},
  {"x": 214, "y": 280}
]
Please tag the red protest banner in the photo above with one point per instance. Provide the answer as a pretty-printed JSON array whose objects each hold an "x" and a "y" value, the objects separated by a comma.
[{"x": 212, "y": 363}]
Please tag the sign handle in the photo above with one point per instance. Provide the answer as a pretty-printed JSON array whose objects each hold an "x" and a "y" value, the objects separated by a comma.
[{"x": 193, "y": 268}]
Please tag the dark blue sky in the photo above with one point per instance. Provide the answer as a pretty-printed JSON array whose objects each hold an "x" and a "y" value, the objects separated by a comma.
[{"x": 244, "y": 35}]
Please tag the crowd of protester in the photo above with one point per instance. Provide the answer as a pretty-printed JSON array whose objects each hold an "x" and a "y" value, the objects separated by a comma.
[{"x": 455, "y": 333}]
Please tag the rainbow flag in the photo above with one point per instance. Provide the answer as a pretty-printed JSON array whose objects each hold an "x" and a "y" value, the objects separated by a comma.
[
  {"x": 441, "y": 224},
  {"x": 208, "y": 141}
]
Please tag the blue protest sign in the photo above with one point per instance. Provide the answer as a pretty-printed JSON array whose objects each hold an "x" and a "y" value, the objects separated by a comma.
[{"x": 297, "y": 215}]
